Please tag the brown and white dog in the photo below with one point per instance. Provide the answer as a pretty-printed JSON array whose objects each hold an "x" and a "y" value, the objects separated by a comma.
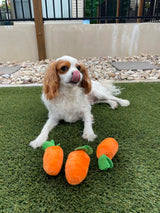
[{"x": 68, "y": 93}]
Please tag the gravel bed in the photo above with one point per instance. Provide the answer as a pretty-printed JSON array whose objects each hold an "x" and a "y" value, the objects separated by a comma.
[{"x": 99, "y": 68}]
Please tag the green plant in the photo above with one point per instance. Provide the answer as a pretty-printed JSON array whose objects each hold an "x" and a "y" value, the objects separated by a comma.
[
  {"x": 3, "y": 5},
  {"x": 91, "y": 8},
  {"x": 5, "y": 10},
  {"x": 147, "y": 6}
]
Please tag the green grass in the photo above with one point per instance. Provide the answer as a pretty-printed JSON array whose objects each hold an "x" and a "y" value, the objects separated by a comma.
[{"x": 132, "y": 185}]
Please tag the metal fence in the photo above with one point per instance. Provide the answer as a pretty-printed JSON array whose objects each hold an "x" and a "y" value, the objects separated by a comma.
[{"x": 94, "y": 11}]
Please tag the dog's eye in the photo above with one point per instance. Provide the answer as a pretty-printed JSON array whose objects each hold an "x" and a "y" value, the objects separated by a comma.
[
  {"x": 64, "y": 68},
  {"x": 78, "y": 67}
]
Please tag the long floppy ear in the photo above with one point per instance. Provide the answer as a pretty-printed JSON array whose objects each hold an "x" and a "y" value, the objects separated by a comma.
[
  {"x": 51, "y": 82},
  {"x": 86, "y": 81}
]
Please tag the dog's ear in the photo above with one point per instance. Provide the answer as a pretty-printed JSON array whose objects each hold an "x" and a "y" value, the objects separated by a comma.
[
  {"x": 51, "y": 82},
  {"x": 86, "y": 81}
]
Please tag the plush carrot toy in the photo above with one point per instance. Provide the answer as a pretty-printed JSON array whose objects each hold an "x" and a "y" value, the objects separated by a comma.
[
  {"x": 106, "y": 150},
  {"x": 77, "y": 165},
  {"x": 52, "y": 158}
]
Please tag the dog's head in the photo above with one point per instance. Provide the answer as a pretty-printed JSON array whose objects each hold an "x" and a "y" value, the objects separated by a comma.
[{"x": 66, "y": 72}]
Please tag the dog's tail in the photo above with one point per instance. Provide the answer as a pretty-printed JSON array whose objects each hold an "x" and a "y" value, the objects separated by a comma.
[{"x": 111, "y": 87}]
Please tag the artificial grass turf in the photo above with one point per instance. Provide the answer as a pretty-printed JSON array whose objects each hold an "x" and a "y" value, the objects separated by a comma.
[{"x": 132, "y": 185}]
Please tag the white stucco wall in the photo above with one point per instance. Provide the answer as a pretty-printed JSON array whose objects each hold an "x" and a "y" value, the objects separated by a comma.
[{"x": 18, "y": 42}]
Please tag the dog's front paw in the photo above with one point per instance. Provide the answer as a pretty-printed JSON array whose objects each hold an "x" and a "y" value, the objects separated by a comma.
[
  {"x": 113, "y": 104},
  {"x": 124, "y": 103},
  {"x": 89, "y": 137},
  {"x": 35, "y": 144}
]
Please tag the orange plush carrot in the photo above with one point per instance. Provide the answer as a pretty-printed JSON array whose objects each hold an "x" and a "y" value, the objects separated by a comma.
[
  {"x": 77, "y": 165},
  {"x": 106, "y": 150},
  {"x": 52, "y": 158}
]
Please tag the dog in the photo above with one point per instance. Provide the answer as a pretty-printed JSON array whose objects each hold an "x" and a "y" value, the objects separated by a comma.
[{"x": 69, "y": 93}]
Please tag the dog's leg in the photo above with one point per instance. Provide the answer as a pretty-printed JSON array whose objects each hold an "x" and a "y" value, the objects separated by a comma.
[
  {"x": 88, "y": 133},
  {"x": 100, "y": 96},
  {"x": 103, "y": 94},
  {"x": 113, "y": 101},
  {"x": 50, "y": 124},
  {"x": 113, "y": 104},
  {"x": 121, "y": 101}
]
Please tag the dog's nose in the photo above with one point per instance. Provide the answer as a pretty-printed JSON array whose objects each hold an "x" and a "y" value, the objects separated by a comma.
[{"x": 76, "y": 76}]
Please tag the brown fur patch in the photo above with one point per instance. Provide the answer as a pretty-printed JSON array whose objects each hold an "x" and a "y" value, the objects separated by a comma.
[
  {"x": 86, "y": 81},
  {"x": 62, "y": 64}
]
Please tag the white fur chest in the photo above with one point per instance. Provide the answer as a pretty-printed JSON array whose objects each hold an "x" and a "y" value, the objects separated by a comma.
[{"x": 69, "y": 105}]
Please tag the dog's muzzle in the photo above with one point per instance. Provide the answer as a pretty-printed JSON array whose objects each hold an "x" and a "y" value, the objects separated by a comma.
[{"x": 76, "y": 77}]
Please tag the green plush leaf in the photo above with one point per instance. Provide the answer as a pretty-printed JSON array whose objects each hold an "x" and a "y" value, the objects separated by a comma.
[
  {"x": 104, "y": 162},
  {"x": 85, "y": 148},
  {"x": 48, "y": 144}
]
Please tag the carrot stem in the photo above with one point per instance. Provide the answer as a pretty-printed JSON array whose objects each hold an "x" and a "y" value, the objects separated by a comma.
[
  {"x": 48, "y": 144},
  {"x": 104, "y": 162},
  {"x": 85, "y": 148}
]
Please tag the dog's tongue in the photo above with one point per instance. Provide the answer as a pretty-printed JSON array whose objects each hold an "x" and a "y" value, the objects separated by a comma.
[{"x": 76, "y": 76}]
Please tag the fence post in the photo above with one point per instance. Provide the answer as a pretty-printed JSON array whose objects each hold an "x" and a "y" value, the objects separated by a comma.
[
  {"x": 118, "y": 9},
  {"x": 140, "y": 10},
  {"x": 38, "y": 18},
  {"x": 106, "y": 21},
  {"x": 12, "y": 9}
]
